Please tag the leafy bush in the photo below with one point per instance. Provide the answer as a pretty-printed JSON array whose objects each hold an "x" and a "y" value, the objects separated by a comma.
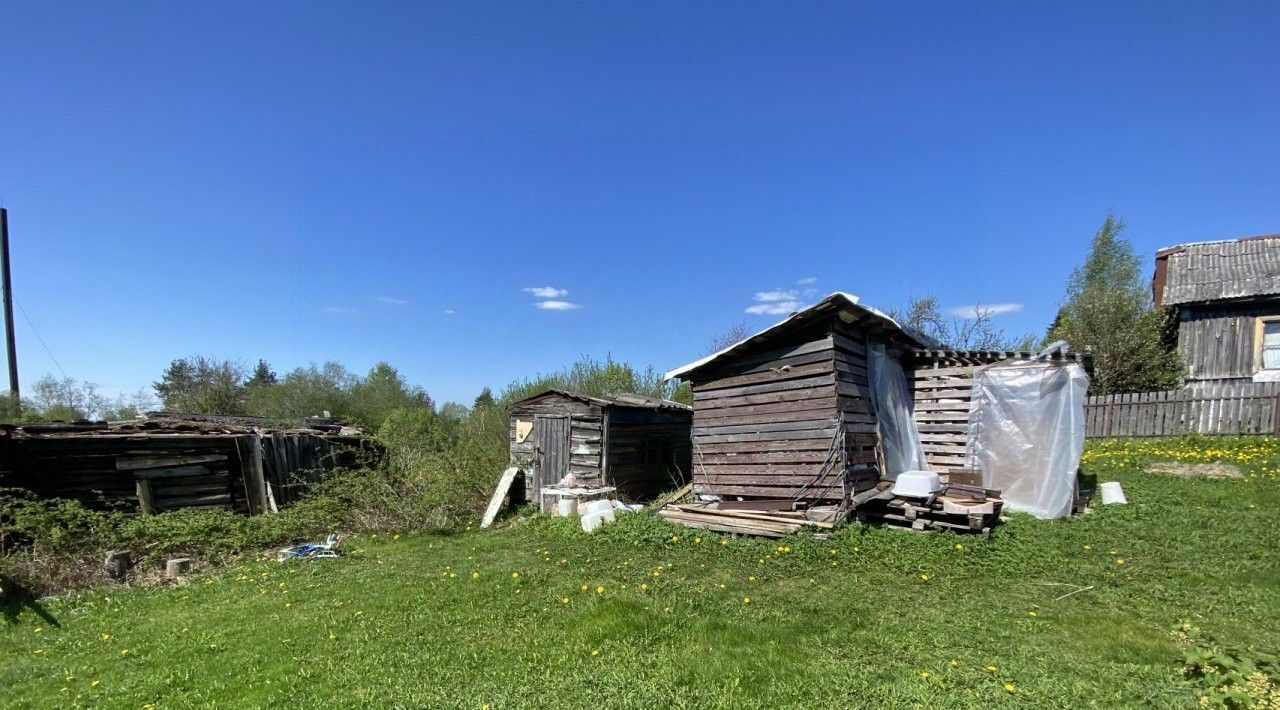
[{"x": 1228, "y": 677}]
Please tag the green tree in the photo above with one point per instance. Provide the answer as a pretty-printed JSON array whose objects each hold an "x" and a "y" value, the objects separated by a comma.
[
  {"x": 484, "y": 399},
  {"x": 382, "y": 391},
  {"x": 1109, "y": 314},
  {"x": 202, "y": 385},
  {"x": 263, "y": 376}
]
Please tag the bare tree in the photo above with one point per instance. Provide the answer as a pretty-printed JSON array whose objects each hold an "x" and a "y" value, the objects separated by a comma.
[
  {"x": 974, "y": 333},
  {"x": 735, "y": 334}
]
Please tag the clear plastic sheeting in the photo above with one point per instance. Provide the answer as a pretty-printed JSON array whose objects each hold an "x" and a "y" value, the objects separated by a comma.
[
  {"x": 1026, "y": 433},
  {"x": 899, "y": 438}
]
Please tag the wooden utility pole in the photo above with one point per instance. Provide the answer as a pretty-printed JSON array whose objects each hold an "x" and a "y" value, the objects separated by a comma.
[{"x": 6, "y": 282}]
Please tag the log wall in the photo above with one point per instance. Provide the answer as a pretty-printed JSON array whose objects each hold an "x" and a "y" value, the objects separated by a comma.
[{"x": 765, "y": 425}]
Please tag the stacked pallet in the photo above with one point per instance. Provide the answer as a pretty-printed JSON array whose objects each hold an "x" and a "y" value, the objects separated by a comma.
[
  {"x": 961, "y": 508},
  {"x": 773, "y": 523}
]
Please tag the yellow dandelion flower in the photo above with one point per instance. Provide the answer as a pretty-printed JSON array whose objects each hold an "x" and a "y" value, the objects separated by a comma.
[
  {"x": 475, "y": 575},
  {"x": 959, "y": 546},
  {"x": 992, "y": 669},
  {"x": 952, "y": 664},
  {"x": 644, "y": 587},
  {"x": 1010, "y": 688},
  {"x": 697, "y": 541},
  {"x": 106, "y": 637},
  {"x": 584, "y": 587},
  {"x": 564, "y": 600},
  {"x": 924, "y": 674},
  {"x": 599, "y": 590},
  {"x": 95, "y": 683},
  {"x": 1119, "y": 561},
  {"x": 595, "y": 652},
  {"x": 746, "y": 600},
  {"x": 1032, "y": 614},
  {"x": 724, "y": 542},
  {"x": 924, "y": 578},
  {"x": 515, "y": 575}
]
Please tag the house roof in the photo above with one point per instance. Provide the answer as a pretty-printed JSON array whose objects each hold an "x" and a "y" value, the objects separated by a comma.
[
  {"x": 838, "y": 302},
  {"x": 622, "y": 399},
  {"x": 1217, "y": 271}
]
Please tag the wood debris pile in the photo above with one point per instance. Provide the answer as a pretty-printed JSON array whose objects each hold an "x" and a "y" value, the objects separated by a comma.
[{"x": 764, "y": 523}]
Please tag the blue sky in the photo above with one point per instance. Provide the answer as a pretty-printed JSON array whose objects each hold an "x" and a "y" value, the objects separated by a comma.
[{"x": 367, "y": 181}]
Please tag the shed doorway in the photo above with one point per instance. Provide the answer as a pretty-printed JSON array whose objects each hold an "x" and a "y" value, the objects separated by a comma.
[{"x": 550, "y": 450}]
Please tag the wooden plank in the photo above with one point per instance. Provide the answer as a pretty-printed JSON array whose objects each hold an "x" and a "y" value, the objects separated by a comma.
[
  {"x": 699, "y": 439},
  {"x": 146, "y": 497},
  {"x": 130, "y": 463},
  {"x": 822, "y": 443},
  {"x": 499, "y": 494}
]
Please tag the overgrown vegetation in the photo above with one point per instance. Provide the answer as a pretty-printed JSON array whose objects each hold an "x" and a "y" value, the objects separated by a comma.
[
  {"x": 1069, "y": 613},
  {"x": 437, "y": 475}
]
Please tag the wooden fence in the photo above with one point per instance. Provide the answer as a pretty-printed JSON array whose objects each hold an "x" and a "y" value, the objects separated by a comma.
[{"x": 1234, "y": 408}]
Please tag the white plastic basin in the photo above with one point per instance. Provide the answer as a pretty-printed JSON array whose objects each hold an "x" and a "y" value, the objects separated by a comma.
[{"x": 917, "y": 484}]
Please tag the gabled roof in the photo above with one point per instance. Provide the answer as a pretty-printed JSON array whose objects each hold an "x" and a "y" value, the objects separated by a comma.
[
  {"x": 838, "y": 302},
  {"x": 622, "y": 399},
  {"x": 1217, "y": 271}
]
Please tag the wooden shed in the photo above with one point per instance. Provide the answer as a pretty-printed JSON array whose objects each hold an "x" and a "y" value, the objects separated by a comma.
[
  {"x": 787, "y": 414},
  {"x": 639, "y": 444}
]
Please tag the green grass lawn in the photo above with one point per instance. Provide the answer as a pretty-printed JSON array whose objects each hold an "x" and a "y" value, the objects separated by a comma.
[{"x": 644, "y": 614}]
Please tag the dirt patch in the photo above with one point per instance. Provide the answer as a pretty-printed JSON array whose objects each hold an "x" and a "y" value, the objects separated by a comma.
[{"x": 1196, "y": 470}]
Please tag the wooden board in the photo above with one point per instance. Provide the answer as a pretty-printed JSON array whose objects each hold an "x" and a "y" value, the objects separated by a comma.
[{"x": 499, "y": 494}]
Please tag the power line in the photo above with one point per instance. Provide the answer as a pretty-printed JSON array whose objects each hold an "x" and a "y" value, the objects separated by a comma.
[{"x": 42, "y": 343}]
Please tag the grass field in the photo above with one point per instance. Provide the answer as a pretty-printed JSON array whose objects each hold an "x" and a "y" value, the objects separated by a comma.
[{"x": 643, "y": 614}]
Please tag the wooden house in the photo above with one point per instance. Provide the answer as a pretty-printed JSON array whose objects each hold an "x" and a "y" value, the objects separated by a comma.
[
  {"x": 787, "y": 414},
  {"x": 1227, "y": 298},
  {"x": 638, "y": 444}
]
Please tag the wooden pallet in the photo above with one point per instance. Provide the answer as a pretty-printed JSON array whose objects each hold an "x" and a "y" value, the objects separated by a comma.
[{"x": 921, "y": 515}]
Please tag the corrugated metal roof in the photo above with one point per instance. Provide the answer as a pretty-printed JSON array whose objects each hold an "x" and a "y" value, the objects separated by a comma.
[
  {"x": 1214, "y": 271},
  {"x": 834, "y": 303}
]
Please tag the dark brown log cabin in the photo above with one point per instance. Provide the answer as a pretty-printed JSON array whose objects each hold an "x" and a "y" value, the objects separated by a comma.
[
  {"x": 787, "y": 414},
  {"x": 638, "y": 444}
]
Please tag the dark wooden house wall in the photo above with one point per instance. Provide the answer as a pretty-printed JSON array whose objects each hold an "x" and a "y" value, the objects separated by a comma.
[
  {"x": 856, "y": 404},
  {"x": 1218, "y": 341},
  {"x": 648, "y": 451},
  {"x": 766, "y": 424}
]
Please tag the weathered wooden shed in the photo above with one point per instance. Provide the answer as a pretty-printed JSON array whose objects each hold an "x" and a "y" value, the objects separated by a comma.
[
  {"x": 639, "y": 444},
  {"x": 787, "y": 414}
]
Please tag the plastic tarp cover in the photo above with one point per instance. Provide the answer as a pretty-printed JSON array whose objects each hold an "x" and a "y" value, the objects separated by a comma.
[
  {"x": 1026, "y": 433},
  {"x": 899, "y": 438}
]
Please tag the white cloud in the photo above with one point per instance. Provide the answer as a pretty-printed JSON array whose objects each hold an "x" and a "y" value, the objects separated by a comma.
[
  {"x": 810, "y": 292},
  {"x": 556, "y": 305},
  {"x": 778, "y": 295},
  {"x": 547, "y": 291},
  {"x": 808, "y": 280},
  {"x": 390, "y": 301},
  {"x": 339, "y": 310},
  {"x": 449, "y": 311},
  {"x": 774, "y": 308},
  {"x": 992, "y": 309}
]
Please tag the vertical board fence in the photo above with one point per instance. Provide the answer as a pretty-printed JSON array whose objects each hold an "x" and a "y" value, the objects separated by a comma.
[{"x": 1230, "y": 408}]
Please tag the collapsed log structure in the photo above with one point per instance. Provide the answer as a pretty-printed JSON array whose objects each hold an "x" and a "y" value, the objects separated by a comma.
[{"x": 171, "y": 461}]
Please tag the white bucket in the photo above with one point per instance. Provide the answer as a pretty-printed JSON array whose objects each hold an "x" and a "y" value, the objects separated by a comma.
[
  {"x": 568, "y": 507},
  {"x": 1112, "y": 493},
  {"x": 592, "y": 522},
  {"x": 599, "y": 506}
]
